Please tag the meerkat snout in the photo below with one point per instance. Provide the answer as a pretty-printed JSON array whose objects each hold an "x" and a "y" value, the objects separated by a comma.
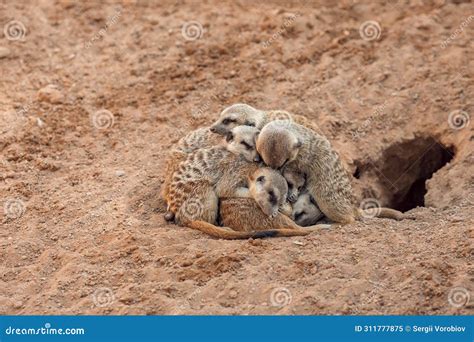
[
  {"x": 269, "y": 189},
  {"x": 277, "y": 145},
  {"x": 241, "y": 140}
]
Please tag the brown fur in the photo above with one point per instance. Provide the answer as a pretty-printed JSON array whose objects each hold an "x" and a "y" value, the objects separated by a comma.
[
  {"x": 193, "y": 141},
  {"x": 284, "y": 143},
  {"x": 243, "y": 114},
  {"x": 240, "y": 141}
]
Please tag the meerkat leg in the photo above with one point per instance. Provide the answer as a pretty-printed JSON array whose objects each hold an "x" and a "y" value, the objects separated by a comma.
[{"x": 203, "y": 207}]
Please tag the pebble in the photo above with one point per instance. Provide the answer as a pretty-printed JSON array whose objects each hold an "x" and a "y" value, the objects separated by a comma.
[
  {"x": 4, "y": 52},
  {"x": 51, "y": 94},
  {"x": 120, "y": 173}
]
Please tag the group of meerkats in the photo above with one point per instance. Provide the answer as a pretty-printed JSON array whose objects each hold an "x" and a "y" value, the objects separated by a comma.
[{"x": 255, "y": 174}]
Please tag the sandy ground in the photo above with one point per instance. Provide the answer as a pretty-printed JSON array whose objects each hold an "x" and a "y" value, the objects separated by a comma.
[{"x": 92, "y": 96}]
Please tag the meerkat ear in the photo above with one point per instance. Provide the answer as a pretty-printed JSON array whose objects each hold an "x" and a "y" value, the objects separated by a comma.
[
  {"x": 261, "y": 179},
  {"x": 229, "y": 136}
]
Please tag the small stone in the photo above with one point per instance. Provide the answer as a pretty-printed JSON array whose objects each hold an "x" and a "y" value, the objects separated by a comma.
[
  {"x": 120, "y": 173},
  {"x": 4, "y": 52},
  {"x": 39, "y": 122},
  {"x": 50, "y": 94},
  {"x": 299, "y": 243}
]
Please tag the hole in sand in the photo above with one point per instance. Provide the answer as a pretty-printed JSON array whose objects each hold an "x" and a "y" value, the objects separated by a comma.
[{"x": 403, "y": 170}]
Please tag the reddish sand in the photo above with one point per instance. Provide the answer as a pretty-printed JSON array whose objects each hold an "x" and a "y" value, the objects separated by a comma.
[{"x": 82, "y": 228}]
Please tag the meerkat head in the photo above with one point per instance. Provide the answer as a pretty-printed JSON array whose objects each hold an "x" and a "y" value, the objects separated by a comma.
[
  {"x": 241, "y": 140},
  {"x": 296, "y": 181},
  {"x": 277, "y": 145},
  {"x": 269, "y": 189},
  {"x": 305, "y": 210},
  {"x": 237, "y": 115}
]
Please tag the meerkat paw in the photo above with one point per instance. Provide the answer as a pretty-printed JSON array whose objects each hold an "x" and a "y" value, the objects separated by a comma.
[{"x": 243, "y": 192}]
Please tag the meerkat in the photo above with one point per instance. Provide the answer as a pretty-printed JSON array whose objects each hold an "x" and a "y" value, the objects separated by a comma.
[
  {"x": 261, "y": 215},
  {"x": 284, "y": 143},
  {"x": 208, "y": 174},
  {"x": 296, "y": 181},
  {"x": 305, "y": 211},
  {"x": 243, "y": 114},
  {"x": 240, "y": 141}
]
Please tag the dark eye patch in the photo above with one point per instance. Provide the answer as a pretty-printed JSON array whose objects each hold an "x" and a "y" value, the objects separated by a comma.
[
  {"x": 298, "y": 215},
  {"x": 248, "y": 123},
  {"x": 272, "y": 198},
  {"x": 228, "y": 121},
  {"x": 247, "y": 145},
  {"x": 261, "y": 179},
  {"x": 311, "y": 199}
]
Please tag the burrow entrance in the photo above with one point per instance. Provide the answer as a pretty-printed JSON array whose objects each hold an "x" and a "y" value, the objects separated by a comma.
[{"x": 400, "y": 175}]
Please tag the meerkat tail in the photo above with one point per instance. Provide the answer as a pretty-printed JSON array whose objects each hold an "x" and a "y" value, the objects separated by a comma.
[{"x": 229, "y": 234}]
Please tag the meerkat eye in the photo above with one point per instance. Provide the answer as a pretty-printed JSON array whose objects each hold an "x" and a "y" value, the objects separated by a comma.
[
  {"x": 228, "y": 121},
  {"x": 261, "y": 179},
  {"x": 311, "y": 199},
  {"x": 247, "y": 145},
  {"x": 248, "y": 123},
  {"x": 298, "y": 215}
]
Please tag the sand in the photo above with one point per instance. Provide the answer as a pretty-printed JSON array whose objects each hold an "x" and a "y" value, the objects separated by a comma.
[{"x": 92, "y": 96}]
